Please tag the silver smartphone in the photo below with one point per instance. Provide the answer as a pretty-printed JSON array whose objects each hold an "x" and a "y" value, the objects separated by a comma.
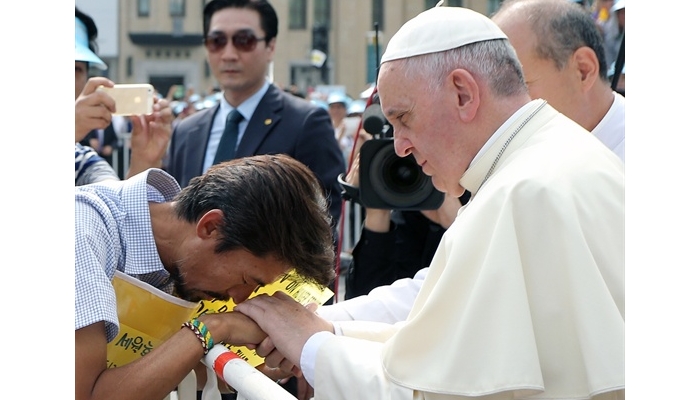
[{"x": 131, "y": 99}]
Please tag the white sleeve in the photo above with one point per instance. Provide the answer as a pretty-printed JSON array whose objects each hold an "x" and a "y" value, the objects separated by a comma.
[
  {"x": 389, "y": 304},
  {"x": 362, "y": 376}
]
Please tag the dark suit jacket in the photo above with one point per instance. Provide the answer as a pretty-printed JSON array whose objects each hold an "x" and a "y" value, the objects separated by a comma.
[{"x": 281, "y": 123}]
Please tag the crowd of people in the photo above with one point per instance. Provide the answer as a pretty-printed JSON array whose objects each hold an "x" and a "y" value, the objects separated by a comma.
[{"x": 512, "y": 288}]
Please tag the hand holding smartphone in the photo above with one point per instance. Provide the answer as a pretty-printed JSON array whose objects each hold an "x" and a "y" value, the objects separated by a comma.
[{"x": 131, "y": 99}]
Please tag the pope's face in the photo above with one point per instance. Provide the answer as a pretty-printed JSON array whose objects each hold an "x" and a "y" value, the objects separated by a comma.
[{"x": 426, "y": 125}]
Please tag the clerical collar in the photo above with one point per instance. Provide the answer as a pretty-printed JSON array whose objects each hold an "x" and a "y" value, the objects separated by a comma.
[
  {"x": 499, "y": 132},
  {"x": 480, "y": 169}
]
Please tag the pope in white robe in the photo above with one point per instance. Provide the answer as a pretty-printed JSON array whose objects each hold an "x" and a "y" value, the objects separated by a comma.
[{"x": 525, "y": 295}]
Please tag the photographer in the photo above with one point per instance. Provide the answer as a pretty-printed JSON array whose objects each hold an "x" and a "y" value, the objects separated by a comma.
[
  {"x": 93, "y": 110},
  {"x": 396, "y": 240},
  {"x": 394, "y": 244}
]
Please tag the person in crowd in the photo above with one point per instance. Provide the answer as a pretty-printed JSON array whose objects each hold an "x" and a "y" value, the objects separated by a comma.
[
  {"x": 614, "y": 31},
  {"x": 93, "y": 110},
  {"x": 240, "y": 37},
  {"x": 563, "y": 59},
  {"x": 220, "y": 237},
  {"x": 525, "y": 294},
  {"x": 338, "y": 109},
  {"x": 89, "y": 166},
  {"x": 345, "y": 128},
  {"x": 355, "y": 111}
]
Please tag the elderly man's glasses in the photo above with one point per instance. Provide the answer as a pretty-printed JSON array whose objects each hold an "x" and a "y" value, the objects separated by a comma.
[{"x": 244, "y": 40}]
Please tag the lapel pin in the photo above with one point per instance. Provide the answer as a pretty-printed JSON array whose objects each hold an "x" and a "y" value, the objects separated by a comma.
[{"x": 268, "y": 121}]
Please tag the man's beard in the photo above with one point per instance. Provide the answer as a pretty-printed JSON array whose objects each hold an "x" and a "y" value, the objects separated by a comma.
[
  {"x": 190, "y": 295},
  {"x": 179, "y": 282}
]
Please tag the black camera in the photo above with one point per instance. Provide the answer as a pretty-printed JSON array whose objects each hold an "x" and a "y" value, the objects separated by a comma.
[{"x": 388, "y": 181}]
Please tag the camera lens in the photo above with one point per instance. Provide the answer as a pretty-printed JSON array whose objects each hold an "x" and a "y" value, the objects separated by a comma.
[
  {"x": 398, "y": 181},
  {"x": 402, "y": 175}
]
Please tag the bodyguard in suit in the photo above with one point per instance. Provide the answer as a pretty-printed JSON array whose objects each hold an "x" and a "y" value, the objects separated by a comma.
[{"x": 240, "y": 38}]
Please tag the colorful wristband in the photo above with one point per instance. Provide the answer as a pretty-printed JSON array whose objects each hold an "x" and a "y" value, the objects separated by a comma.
[
  {"x": 200, "y": 330},
  {"x": 205, "y": 332}
]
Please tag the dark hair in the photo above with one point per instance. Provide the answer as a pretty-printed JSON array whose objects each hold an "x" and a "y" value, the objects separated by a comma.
[
  {"x": 268, "y": 16},
  {"x": 91, "y": 29},
  {"x": 273, "y": 205},
  {"x": 561, "y": 28}
]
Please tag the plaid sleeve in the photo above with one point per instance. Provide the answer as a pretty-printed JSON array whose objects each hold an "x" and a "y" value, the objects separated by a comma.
[{"x": 96, "y": 258}]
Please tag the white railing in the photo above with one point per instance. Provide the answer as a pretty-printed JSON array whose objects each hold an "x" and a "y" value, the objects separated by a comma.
[
  {"x": 250, "y": 383},
  {"x": 224, "y": 364}
]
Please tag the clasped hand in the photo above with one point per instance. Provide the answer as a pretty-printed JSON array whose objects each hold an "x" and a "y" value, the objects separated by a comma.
[{"x": 289, "y": 325}]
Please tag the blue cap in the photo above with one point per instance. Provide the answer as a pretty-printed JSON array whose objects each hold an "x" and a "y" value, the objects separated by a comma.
[
  {"x": 357, "y": 107},
  {"x": 82, "y": 50},
  {"x": 337, "y": 97}
]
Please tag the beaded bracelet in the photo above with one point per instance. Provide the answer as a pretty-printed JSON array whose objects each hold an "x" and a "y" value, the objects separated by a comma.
[{"x": 200, "y": 330}]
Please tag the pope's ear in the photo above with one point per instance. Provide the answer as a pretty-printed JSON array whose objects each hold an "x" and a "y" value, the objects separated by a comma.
[
  {"x": 209, "y": 223},
  {"x": 586, "y": 63},
  {"x": 467, "y": 93}
]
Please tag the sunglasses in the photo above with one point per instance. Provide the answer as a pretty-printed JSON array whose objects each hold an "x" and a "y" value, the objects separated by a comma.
[{"x": 244, "y": 40}]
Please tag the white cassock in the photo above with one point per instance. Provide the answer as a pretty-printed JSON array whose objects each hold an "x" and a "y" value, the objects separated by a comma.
[{"x": 525, "y": 294}]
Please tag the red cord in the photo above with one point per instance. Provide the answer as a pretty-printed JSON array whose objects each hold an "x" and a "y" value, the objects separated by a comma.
[{"x": 341, "y": 225}]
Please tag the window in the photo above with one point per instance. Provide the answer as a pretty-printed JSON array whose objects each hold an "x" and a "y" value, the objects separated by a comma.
[
  {"x": 378, "y": 14},
  {"x": 178, "y": 26},
  {"x": 144, "y": 8},
  {"x": 129, "y": 66},
  {"x": 297, "y": 14},
  {"x": 177, "y": 8},
  {"x": 322, "y": 13}
]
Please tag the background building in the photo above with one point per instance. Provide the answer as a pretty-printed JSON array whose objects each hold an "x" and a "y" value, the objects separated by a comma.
[{"x": 320, "y": 42}]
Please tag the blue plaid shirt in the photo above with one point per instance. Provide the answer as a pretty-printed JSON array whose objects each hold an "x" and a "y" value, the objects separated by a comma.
[{"x": 113, "y": 232}]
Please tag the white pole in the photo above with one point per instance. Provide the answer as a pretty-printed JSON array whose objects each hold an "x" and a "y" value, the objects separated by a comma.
[{"x": 250, "y": 383}]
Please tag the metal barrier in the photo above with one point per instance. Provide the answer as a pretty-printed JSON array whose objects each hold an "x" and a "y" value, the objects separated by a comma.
[
  {"x": 121, "y": 157},
  {"x": 354, "y": 215}
]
